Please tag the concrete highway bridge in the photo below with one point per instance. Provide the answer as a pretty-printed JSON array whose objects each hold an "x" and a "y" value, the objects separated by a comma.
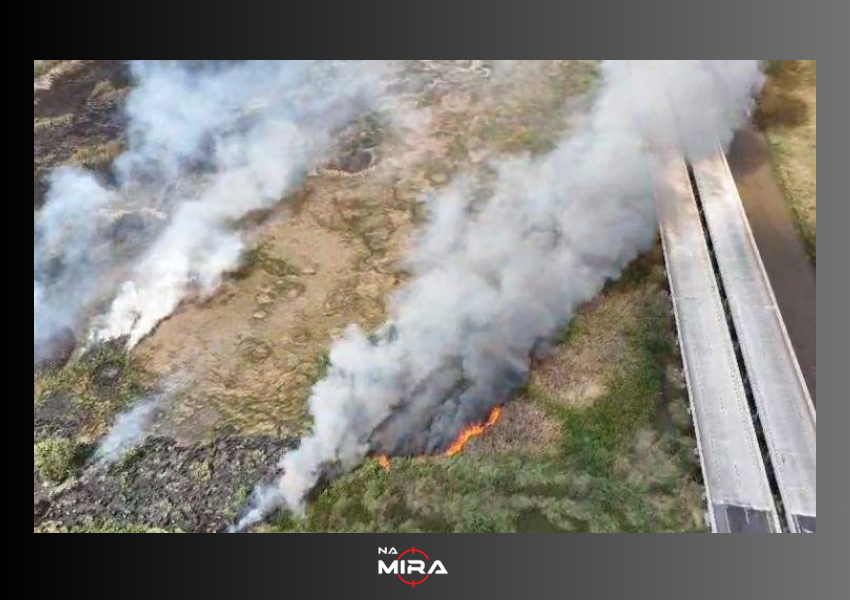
[{"x": 754, "y": 418}]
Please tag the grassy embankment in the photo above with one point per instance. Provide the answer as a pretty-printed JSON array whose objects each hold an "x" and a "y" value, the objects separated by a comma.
[{"x": 787, "y": 113}]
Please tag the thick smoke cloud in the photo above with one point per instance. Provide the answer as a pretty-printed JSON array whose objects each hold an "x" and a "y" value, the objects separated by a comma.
[
  {"x": 495, "y": 279},
  {"x": 208, "y": 144}
]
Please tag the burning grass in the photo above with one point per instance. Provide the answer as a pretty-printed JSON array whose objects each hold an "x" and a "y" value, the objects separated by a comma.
[
  {"x": 334, "y": 258},
  {"x": 472, "y": 431},
  {"x": 551, "y": 464},
  {"x": 621, "y": 463}
]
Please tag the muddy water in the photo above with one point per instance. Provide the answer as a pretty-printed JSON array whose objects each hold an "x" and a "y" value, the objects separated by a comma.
[{"x": 791, "y": 273}]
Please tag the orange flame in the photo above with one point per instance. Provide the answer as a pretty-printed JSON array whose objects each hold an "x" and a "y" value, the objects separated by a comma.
[
  {"x": 474, "y": 430},
  {"x": 384, "y": 461}
]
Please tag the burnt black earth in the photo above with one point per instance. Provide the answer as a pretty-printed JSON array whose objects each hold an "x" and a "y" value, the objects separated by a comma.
[{"x": 165, "y": 485}]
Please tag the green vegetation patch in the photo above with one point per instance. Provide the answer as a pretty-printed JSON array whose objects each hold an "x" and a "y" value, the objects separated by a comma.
[
  {"x": 55, "y": 459},
  {"x": 103, "y": 380},
  {"x": 596, "y": 433}
]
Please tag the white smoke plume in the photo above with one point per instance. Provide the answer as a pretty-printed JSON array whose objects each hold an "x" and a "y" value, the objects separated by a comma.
[
  {"x": 129, "y": 430},
  {"x": 68, "y": 254},
  {"x": 494, "y": 279},
  {"x": 209, "y": 143}
]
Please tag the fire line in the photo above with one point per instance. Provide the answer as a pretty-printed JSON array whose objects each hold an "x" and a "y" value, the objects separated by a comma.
[{"x": 472, "y": 431}]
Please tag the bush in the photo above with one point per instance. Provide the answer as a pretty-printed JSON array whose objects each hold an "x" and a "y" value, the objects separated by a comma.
[{"x": 54, "y": 459}]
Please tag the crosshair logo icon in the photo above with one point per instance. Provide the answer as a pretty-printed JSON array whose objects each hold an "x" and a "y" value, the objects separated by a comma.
[{"x": 413, "y": 552}]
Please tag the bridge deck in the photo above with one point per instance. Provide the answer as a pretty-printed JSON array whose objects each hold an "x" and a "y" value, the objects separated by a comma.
[
  {"x": 784, "y": 406},
  {"x": 736, "y": 483}
]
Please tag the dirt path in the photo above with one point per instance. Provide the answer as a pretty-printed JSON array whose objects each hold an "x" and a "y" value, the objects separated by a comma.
[{"x": 782, "y": 251}]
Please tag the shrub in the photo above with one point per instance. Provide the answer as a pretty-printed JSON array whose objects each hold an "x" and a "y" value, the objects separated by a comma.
[{"x": 54, "y": 458}]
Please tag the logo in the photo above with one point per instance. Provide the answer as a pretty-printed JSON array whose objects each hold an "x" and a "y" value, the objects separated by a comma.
[{"x": 411, "y": 566}]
